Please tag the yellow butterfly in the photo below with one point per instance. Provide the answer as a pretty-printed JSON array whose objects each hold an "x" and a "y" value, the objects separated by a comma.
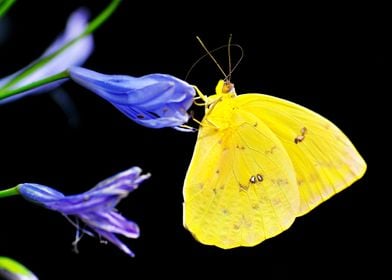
[{"x": 260, "y": 162}]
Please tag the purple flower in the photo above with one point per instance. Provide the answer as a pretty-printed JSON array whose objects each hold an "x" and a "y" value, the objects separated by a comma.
[
  {"x": 155, "y": 100},
  {"x": 76, "y": 54},
  {"x": 96, "y": 207}
]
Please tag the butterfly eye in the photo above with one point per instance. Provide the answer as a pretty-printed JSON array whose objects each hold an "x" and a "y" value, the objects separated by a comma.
[{"x": 259, "y": 178}]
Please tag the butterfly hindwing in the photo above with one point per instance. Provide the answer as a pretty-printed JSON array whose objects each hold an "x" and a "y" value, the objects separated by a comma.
[{"x": 240, "y": 188}]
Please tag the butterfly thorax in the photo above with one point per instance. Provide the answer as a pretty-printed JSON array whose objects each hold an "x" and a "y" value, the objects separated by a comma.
[{"x": 219, "y": 106}]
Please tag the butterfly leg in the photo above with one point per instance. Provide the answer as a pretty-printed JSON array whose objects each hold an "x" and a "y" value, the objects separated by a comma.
[{"x": 201, "y": 95}]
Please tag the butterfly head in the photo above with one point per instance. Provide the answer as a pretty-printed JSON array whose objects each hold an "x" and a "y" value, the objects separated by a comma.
[{"x": 225, "y": 88}]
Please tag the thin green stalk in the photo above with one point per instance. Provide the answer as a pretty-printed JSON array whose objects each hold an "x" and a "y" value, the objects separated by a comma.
[
  {"x": 5, "y": 5},
  {"x": 9, "y": 192},
  {"x": 93, "y": 25},
  {"x": 101, "y": 18},
  {"x": 47, "y": 80}
]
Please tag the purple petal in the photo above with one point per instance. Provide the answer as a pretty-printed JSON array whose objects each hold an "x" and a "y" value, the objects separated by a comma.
[
  {"x": 39, "y": 193},
  {"x": 127, "y": 180},
  {"x": 113, "y": 239},
  {"x": 82, "y": 203},
  {"x": 111, "y": 222},
  {"x": 76, "y": 24},
  {"x": 150, "y": 119},
  {"x": 107, "y": 85},
  {"x": 76, "y": 54},
  {"x": 103, "y": 197},
  {"x": 94, "y": 207},
  {"x": 155, "y": 100},
  {"x": 148, "y": 91}
]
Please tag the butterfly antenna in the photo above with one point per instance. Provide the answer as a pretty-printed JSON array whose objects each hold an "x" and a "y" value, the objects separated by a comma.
[
  {"x": 239, "y": 60},
  {"x": 201, "y": 58},
  {"x": 229, "y": 56},
  {"x": 210, "y": 54}
]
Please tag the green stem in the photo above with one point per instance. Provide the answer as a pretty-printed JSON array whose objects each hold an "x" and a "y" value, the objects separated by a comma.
[
  {"x": 7, "y": 93},
  {"x": 5, "y": 5},
  {"x": 9, "y": 192},
  {"x": 93, "y": 25},
  {"x": 101, "y": 18}
]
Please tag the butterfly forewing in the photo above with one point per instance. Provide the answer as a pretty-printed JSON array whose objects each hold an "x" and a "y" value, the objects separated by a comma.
[{"x": 324, "y": 159}]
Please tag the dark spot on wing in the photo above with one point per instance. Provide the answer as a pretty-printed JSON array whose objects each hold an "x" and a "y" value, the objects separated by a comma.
[
  {"x": 256, "y": 178},
  {"x": 301, "y": 137},
  {"x": 252, "y": 179}
]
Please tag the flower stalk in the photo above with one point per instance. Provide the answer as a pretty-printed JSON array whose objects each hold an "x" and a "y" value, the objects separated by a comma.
[
  {"x": 9, "y": 192},
  {"x": 5, "y": 5},
  {"x": 35, "y": 84}
]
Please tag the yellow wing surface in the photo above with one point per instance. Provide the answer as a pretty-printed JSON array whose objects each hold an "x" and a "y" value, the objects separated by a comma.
[
  {"x": 324, "y": 159},
  {"x": 259, "y": 162},
  {"x": 240, "y": 187}
]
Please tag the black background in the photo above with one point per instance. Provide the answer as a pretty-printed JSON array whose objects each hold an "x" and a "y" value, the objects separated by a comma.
[{"x": 327, "y": 58}]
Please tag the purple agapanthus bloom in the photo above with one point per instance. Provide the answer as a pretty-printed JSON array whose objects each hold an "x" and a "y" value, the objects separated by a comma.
[
  {"x": 96, "y": 207},
  {"x": 76, "y": 54},
  {"x": 154, "y": 100}
]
